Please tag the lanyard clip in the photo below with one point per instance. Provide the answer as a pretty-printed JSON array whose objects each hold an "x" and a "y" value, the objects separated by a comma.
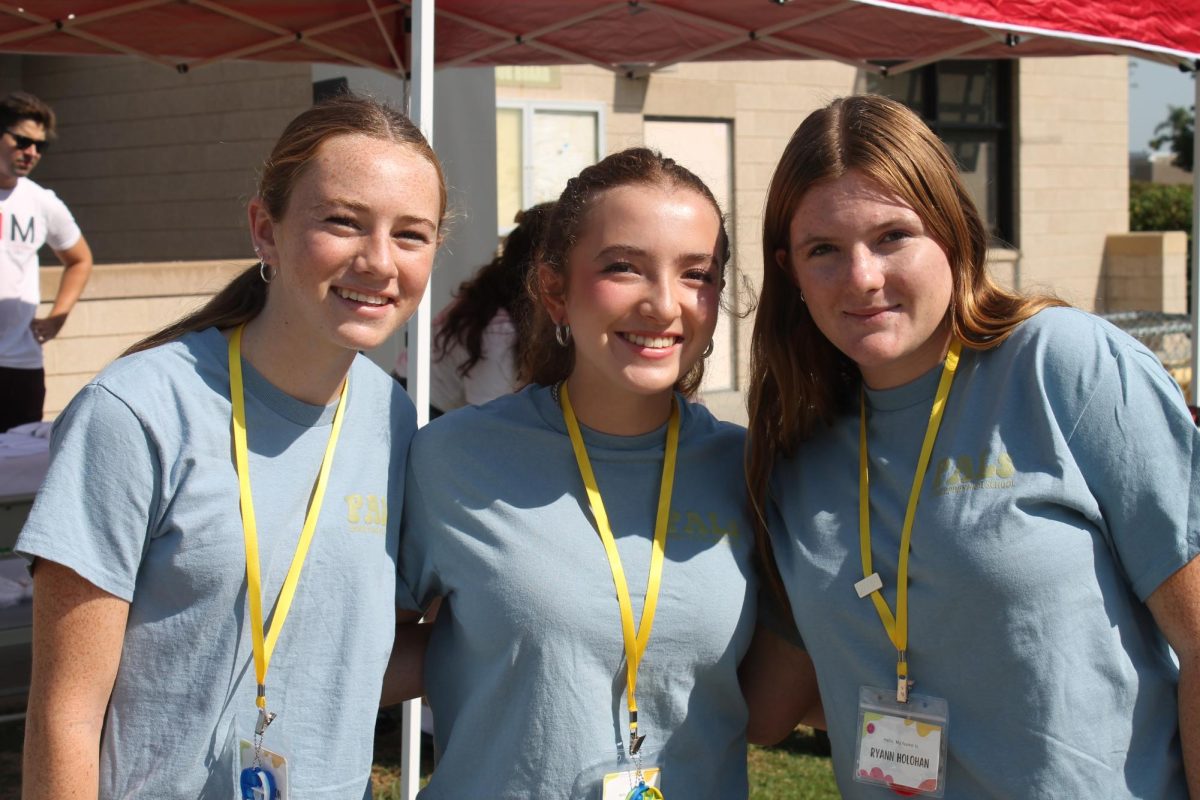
[
  {"x": 265, "y": 718},
  {"x": 635, "y": 741},
  {"x": 902, "y": 681}
]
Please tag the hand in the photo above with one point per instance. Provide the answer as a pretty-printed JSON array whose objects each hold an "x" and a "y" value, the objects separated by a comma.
[{"x": 46, "y": 329}]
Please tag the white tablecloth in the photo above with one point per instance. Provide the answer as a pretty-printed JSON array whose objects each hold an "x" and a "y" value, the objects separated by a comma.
[{"x": 24, "y": 460}]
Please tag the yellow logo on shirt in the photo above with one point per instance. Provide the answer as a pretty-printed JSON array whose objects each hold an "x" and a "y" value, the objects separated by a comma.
[
  {"x": 701, "y": 526},
  {"x": 366, "y": 513},
  {"x": 966, "y": 473}
]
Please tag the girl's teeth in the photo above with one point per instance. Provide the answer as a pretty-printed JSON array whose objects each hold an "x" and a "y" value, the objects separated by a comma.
[
  {"x": 374, "y": 300},
  {"x": 650, "y": 341}
]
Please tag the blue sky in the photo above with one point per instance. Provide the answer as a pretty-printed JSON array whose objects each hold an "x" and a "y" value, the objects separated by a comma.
[{"x": 1152, "y": 88}]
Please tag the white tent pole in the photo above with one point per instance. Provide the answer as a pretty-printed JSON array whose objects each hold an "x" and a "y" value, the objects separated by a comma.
[
  {"x": 419, "y": 341},
  {"x": 1195, "y": 265}
]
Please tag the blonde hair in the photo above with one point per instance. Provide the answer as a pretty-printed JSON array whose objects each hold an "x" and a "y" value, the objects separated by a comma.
[
  {"x": 798, "y": 379},
  {"x": 245, "y": 296}
]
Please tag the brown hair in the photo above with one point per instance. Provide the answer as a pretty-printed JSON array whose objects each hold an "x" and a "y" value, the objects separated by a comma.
[
  {"x": 22, "y": 105},
  {"x": 245, "y": 296},
  {"x": 546, "y": 362},
  {"x": 500, "y": 284},
  {"x": 798, "y": 379}
]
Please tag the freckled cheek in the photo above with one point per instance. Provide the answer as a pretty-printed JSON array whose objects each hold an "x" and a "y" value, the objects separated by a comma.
[{"x": 413, "y": 269}]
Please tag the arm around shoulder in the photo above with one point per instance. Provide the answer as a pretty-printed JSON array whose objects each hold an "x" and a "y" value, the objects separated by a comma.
[
  {"x": 1176, "y": 608},
  {"x": 404, "y": 678},
  {"x": 78, "y": 630},
  {"x": 780, "y": 687}
]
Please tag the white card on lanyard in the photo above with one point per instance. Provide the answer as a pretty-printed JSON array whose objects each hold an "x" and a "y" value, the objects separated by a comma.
[{"x": 902, "y": 745}]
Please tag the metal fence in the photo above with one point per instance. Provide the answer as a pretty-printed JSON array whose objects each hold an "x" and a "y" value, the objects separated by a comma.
[{"x": 1169, "y": 336}]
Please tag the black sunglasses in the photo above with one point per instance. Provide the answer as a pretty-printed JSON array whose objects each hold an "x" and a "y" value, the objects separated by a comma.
[{"x": 24, "y": 142}]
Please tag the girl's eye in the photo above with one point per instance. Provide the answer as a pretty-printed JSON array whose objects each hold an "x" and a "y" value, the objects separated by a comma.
[
  {"x": 413, "y": 235},
  {"x": 896, "y": 236},
  {"x": 819, "y": 250},
  {"x": 703, "y": 275},
  {"x": 340, "y": 220},
  {"x": 619, "y": 266}
]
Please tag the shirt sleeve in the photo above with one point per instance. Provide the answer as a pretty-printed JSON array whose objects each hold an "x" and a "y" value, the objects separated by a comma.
[
  {"x": 62, "y": 231},
  {"x": 97, "y": 507},
  {"x": 1139, "y": 452},
  {"x": 416, "y": 584}
]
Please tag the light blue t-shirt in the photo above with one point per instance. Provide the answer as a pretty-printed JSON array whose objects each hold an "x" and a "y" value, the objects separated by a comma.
[
  {"x": 525, "y": 670},
  {"x": 1061, "y": 493},
  {"x": 142, "y": 500}
]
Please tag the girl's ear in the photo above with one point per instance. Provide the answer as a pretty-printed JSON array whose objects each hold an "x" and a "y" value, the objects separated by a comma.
[
  {"x": 552, "y": 290},
  {"x": 262, "y": 232}
]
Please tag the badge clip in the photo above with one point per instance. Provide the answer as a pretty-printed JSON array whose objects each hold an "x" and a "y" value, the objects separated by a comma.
[
  {"x": 902, "y": 681},
  {"x": 265, "y": 718}
]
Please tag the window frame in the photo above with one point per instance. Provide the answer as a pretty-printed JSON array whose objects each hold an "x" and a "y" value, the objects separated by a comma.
[
  {"x": 1004, "y": 129},
  {"x": 529, "y": 108}
]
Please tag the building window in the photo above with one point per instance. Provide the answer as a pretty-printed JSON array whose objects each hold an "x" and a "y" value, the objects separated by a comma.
[
  {"x": 969, "y": 105},
  {"x": 539, "y": 147}
]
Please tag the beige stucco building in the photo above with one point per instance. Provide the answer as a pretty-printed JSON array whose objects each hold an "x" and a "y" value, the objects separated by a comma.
[{"x": 157, "y": 166}]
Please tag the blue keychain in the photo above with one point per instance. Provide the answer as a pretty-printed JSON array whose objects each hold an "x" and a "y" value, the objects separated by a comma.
[
  {"x": 644, "y": 792},
  {"x": 258, "y": 784}
]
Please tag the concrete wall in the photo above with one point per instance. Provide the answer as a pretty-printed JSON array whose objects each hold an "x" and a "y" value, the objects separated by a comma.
[
  {"x": 155, "y": 165},
  {"x": 1146, "y": 272},
  {"x": 1073, "y": 173},
  {"x": 123, "y": 303}
]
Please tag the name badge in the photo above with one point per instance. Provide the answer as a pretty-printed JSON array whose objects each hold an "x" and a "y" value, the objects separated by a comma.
[
  {"x": 626, "y": 785},
  {"x": 264, "y": 779},
  {"x": 902, "y": 745}
]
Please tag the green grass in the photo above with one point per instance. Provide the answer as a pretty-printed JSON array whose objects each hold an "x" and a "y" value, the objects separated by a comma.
[{"x": 796, "y": 769}]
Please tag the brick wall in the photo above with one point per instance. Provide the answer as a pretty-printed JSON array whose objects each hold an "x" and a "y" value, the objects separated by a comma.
[{"x": 156, "y": 165}]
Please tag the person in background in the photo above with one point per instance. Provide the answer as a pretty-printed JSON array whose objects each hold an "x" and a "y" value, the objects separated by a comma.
[
  {"x": 30, "y": 217},
  {"x": 482, "y": 335},
  {"x": 214, "y": 547},
  {"x": 588, "y": 535},
  {"x": 984, "y": 507}
]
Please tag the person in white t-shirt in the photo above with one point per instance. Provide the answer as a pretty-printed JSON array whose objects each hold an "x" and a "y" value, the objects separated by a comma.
[
  {"x": 480, "y": 337},
  {"x": 30, "y": 217}
]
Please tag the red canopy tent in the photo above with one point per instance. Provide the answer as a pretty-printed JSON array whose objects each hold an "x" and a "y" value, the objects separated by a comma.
[
  {"x": 623, "y": 35},
  {"x": 630, "y": 37}
]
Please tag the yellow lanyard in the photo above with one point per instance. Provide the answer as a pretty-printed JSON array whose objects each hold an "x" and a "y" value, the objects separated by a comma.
[
  {"x": 264, "y": 648},
  {"x": 897, "y": 627},
  {"x": 635, "y": 643}
]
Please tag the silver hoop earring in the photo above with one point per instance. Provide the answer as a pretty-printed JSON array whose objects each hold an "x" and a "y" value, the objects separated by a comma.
[
  {"x": 708, "y": 351},
  {"x": 562, "y": 334},
  {"x": 802, "y": 298},
  {"x": 266, "y": 272}
]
